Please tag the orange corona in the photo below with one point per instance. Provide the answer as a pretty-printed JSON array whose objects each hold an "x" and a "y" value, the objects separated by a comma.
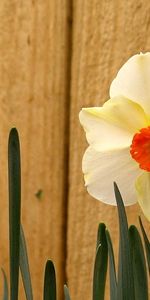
[{"x": 140, "y": 148}]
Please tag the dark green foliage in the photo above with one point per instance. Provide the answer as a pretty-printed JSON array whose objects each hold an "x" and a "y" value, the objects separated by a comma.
[
  {"x": 139, "y": 265},
  {"x": 14, "y": 175},
  {"x": 131, "y": 281},
  {"x": 129, "y": 284},
  {"x": 49, "y": 282},
  {"x": 112, "y": 269},
  {"x": 125, "y": 271},
  {"x": 100, "y": 268}
]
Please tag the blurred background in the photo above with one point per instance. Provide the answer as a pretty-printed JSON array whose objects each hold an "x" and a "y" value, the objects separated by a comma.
[{"x": 57, "y": 56}]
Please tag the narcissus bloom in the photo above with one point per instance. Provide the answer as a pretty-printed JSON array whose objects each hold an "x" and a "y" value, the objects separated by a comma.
[{"x": 118, "y": 134}]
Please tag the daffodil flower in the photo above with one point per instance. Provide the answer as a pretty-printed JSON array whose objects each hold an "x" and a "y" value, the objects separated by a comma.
[{"x": 118, "y": 134}]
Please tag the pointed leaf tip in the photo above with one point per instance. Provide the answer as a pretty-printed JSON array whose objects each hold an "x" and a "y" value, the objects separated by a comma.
[
  {"x": 100, "y": 267},
  {"x": 49, "y": 281},
  {"x": 14, "y": 176},
  {"x": 66, "y": 292},
  {"x": 125, "y": 271},
  {"x": 139, "y": 264}
]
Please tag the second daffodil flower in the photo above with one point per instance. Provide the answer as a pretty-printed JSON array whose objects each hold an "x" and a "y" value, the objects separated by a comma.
[{"x": 118, "y": 134}]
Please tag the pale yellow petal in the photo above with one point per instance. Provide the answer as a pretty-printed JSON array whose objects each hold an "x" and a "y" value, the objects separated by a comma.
[
  {"x": 114, "y": 124},
  {"x": 143, "y": 193},
  {"x": 133, "y": 80},
  {"x": 101, "y": 169}
]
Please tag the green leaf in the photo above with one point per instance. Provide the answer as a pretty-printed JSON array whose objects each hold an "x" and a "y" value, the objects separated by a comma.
[
  {"x": 125, "y": 272},
  {"x": 66, "y": 292},
  {"x": 100, "y": 233},
  {"x": 14, "y": 175},
  {"x": 24, "y": 266},
  {"x": 49, "y": 281},
  {"x": 5, "y": 290},
  {"x": 139, "y": 265},
  {"x": 112, "y": 269},
  {"x": 147, "y": 244},
  {"x": 100, "y": 267}
]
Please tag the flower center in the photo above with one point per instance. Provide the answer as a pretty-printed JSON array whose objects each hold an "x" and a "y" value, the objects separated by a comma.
[{"x": 140, "y": 148}]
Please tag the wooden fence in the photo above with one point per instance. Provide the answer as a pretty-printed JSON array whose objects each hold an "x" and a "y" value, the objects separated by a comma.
[{"x": 57, "y": 56}]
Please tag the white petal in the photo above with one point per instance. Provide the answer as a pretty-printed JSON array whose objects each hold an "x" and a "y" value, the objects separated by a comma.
[
  {"x": 114, "y": 124},
  {"x": 133, "y": 80},
  {"x": 143, "y": 193},
  {"x": 101, "y": 169}
]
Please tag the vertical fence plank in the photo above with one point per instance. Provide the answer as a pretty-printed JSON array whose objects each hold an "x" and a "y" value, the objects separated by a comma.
[
  {"x": 34, "y": 51},
  {"x": 105, "y": 35}
]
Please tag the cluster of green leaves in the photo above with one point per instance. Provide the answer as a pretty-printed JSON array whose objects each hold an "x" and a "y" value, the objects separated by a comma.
[
  {"x": 131, "y": 280},
  {"x": 17, "y": 243},
  {"x": 130, "y": 283}
]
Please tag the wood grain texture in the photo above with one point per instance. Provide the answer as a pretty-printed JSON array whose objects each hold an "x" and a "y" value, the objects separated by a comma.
[
  {"x": 105, "y": 35},
  {"x": 34, "y": 51}
]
